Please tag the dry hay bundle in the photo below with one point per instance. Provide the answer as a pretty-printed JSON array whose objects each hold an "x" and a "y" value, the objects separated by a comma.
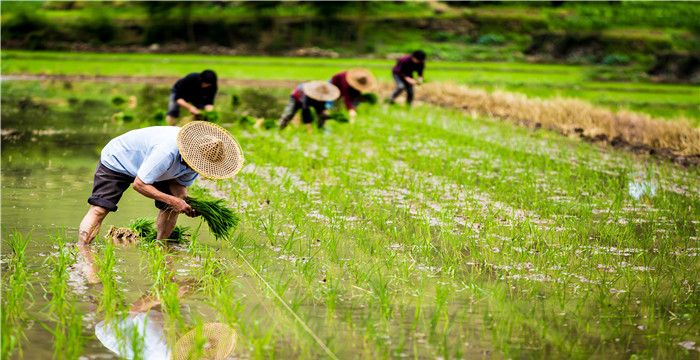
[{"x": 569, "y": 116}]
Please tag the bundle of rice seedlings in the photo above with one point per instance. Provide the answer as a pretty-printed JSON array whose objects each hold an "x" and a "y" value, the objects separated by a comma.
[
  {"x": 146, "y": 231},
  {"x": 220, "y": 219},
  {"x": 339, "y": 116},
  {"x": 180, "y": 234},
  {"x": 145, "y": 228},
  {"x": 211, "y": 116},
  {"x": 370, "y": 98}
]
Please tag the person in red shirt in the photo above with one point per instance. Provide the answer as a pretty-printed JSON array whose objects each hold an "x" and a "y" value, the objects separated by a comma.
[
  {"x": 352, "y": 84},
  {"x": 307, "y": 96},
  {"x": 403, "y": 75}
]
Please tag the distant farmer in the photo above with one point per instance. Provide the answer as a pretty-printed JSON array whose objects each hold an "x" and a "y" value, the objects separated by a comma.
[
  {"x": 307, "y": 96},
  {"x": 352, "y": 84},
  {"x": 194, "y": 92},
  {"x": 403, "y": 74},
  {"x": 159, "y": 162}
]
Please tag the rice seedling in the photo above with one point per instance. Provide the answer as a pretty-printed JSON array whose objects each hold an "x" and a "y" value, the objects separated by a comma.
[
  {"x": 222, "y": 221},
  {"x": 111, "y": 303},
  {"x": 16, "y": 287},
  {"x": 67, "y": 331}
]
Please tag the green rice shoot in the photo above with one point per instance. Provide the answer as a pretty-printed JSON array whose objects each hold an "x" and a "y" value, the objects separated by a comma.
[{"x": 222, "y": 221}]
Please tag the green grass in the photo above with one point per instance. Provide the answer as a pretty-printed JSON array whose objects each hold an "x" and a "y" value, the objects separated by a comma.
[{"x": 663, "y": 100}]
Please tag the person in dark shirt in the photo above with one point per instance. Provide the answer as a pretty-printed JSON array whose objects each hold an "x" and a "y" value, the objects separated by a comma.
[
  {"x": 194, "y": 92},
  {"x": 307, "y": 96},
  {"x": 352, "y": 84},
  {"x": 403, "y": 74}
]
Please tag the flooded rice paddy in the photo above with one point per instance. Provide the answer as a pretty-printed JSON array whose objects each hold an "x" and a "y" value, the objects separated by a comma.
[{"x": 412, "y": 234}]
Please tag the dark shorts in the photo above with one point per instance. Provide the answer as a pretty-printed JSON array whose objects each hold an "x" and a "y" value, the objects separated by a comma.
[{"x": 109, "y": 185}]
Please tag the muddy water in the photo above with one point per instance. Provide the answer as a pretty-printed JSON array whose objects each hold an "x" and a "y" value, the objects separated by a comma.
[{"x": 47, "y": 171}]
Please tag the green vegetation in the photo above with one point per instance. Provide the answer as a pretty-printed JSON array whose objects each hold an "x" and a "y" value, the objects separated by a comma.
[
  {"x": 67, "y": 332},
  {"x": 411, "y": 233},
  {"x": 449, "y": 31},
  {"x": 221, "y": 219},
  {"x": 15, "y": 291},
  {"x": 668, "y": 101}
]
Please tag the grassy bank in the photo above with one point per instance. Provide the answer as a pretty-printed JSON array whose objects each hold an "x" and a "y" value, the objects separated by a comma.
[{"x": 662, "y": 100}]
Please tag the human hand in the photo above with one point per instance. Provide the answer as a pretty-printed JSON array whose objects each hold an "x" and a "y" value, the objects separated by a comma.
[
  {"x": 181, "y": 206},
  {"x": 410, "y": 80},
  {"x": 353, "y": 114},
  {"x": 209, "y": 108},
  {"x": 194, "y": 110},
  {"x": 420, "y": 80}
]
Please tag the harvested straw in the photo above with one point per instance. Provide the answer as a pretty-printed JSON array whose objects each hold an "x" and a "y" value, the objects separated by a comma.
[
  {"x": 570, "y": 117},
  {"x": 221, "y": 219}
]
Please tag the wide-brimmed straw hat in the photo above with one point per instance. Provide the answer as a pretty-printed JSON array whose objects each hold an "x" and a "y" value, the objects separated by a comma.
[
  {"x": 320, "y": 90},
  {"x": 220, "y": 342},
  {"x": 361, "y": 79},
  {"x": 210, "y": 150}
]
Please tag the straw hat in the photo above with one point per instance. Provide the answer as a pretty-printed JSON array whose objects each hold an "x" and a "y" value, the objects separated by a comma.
[
  {"x": 320, "y": 90},
  {"x": 220, "y": 342},
  {"x": 361, "y": 79},
  {"x": 210, "y": 150}
]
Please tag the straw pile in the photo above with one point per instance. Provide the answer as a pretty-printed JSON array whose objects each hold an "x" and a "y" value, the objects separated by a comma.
[{"x": 571, "y": 117}]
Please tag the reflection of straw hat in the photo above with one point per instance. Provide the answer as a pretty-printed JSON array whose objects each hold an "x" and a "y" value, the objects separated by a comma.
[
  {"x": 220, "y": 341},
  {"x": 320, "y": 90},
  {"x": 210, "y": 150},
  {"x": 361, "y": 80}
]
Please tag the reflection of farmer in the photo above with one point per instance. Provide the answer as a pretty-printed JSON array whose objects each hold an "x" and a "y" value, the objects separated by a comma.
[
  {"x": 193, "y": 92},
  {"x": 403, "y": 74},
  {"x": 145, "y": 321},
  {"x": 159, "y": 162},
  {"x": 307, "y": 96},
  {"x": 352, "y": 84}
]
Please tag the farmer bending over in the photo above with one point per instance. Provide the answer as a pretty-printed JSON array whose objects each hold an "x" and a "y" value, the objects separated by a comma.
[
  {"x": 352, "y": 84},
  {"x": 194, "y": 92},
  {"x": 403, "y": 74},
  {"x": 313, "y": 94},
  {"x": 159, "y": 162}
]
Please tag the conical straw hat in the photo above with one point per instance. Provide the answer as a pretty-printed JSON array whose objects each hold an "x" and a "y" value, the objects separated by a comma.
[
  {"x": 210, "y": 150},
  {"x": 220, "y": 342},
  {"x": 320, "y": 90},
  {"x": 361, "y": 80}
]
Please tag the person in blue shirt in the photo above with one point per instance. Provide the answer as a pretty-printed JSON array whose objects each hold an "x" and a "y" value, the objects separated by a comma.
[{"x": 159, "y": 162}]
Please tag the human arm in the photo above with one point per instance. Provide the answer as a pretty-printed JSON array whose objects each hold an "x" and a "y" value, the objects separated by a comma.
[
  {"x": 191, "y": 108},
  {"x": 177, "y": 203}
]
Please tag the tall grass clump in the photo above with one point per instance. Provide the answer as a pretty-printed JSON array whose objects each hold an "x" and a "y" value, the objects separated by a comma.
[
  {"x": 220, "y": 218},
  {"x": 14, "y": 296}
]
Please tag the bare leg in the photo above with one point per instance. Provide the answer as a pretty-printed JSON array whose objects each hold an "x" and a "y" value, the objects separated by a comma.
[
  {"x": 86, "y": 263},
  {"x": 91, "y": 223},
  {"x": 165, "y": 223}
]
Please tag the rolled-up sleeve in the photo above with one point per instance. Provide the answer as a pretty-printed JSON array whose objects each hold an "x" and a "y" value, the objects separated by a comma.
[
  {"x": 155, "y": 165},
  {"x": 187, "y": 179}
]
